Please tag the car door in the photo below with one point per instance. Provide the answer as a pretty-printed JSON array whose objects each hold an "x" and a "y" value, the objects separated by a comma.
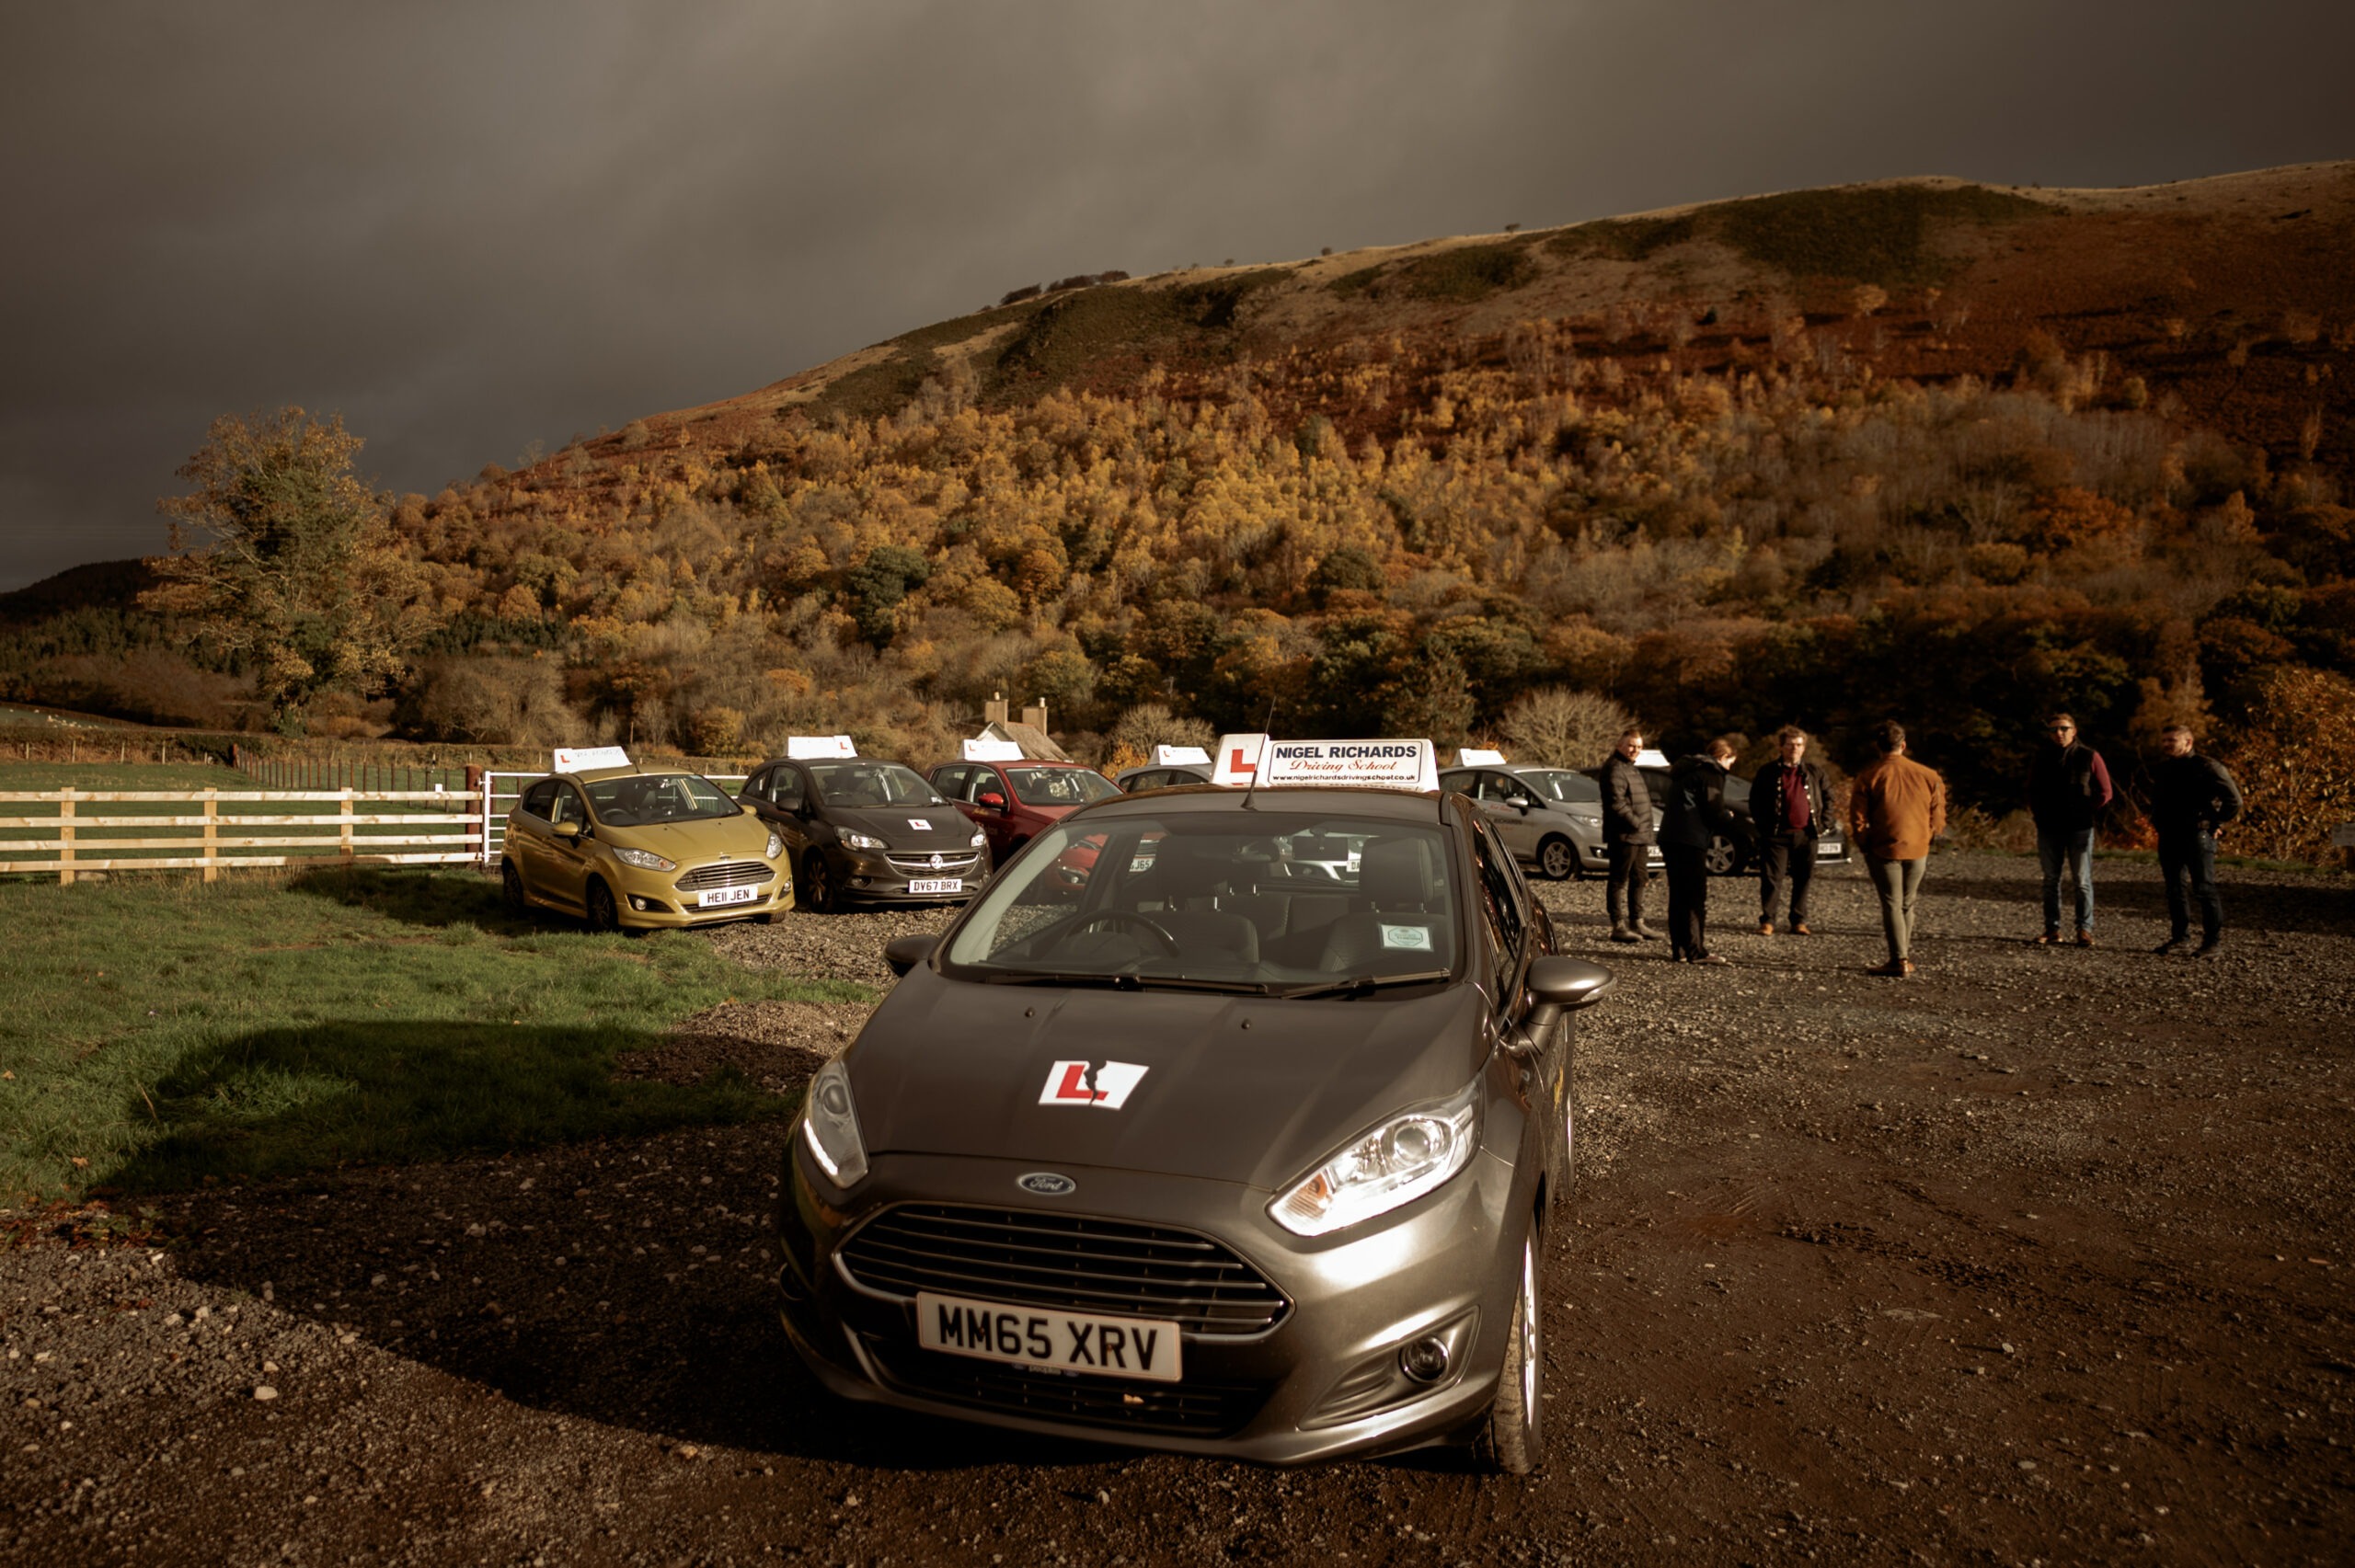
[
  {"x": 527, "y": 837},
  {"x": 996, "y": 822},
  {"x": 1510, "y": 917},
  {"x": 1511, "y": 805},
  {"x": 782, "y": 789},
  {"x": 569, "y": 857}
]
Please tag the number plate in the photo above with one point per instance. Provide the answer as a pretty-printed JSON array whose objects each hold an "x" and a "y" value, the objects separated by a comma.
[
  {"x": 937, "y": 885},
  {"x": 1033, "y": 1336},
  {"x": 729, "y": 896}
]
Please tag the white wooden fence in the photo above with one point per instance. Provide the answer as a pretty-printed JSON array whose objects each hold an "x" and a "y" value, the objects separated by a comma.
[{"x": 227, "y": 826}]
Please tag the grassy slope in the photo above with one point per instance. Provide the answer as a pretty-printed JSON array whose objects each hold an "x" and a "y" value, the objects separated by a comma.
[{"x": 162, "y": 1032}]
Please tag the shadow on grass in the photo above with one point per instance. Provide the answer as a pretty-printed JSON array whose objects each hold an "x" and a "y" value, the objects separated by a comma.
[
  {"x": 438, "y": 897},
  {"x": 310, "y": 1097}
]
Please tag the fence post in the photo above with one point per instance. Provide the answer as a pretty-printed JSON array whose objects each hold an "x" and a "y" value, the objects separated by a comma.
[
  {"x": 344, "y": 838},
  {"x": 66, "y": 837},
  {"x": 212, "y": 831},
  {"x": 487, "y": 788}
]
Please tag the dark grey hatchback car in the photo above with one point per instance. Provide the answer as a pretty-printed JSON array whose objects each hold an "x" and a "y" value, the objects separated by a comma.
[
  {"x": 858, "y": 829},
  {"x": 1216, "y": 1152}
]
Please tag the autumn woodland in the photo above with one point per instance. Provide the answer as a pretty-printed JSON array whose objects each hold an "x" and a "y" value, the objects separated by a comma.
[{"x": 1922, "y": 450}]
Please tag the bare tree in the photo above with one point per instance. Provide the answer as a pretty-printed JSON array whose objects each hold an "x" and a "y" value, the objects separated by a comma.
[{"x": 1561, "y": 726}]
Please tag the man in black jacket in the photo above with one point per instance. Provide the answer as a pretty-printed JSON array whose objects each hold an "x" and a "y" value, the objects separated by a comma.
[
  {"x": 1695, "y": 813},
  {"x": 2067, "y": 788},
  {"x": 2191, "y": 796},
  {"x": 1626, "y": 839},
  {"x": 1790, "y": 800}
]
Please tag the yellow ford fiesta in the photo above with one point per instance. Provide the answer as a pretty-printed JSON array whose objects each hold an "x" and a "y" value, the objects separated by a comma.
[{"x": 640, "y": 850}]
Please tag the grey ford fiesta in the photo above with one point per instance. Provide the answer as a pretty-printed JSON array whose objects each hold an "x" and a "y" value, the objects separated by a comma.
[{"x": 1217, "y": 1151}]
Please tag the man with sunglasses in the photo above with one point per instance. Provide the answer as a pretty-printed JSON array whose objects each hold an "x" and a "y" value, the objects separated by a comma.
[{"x": 2067, "y": 788}]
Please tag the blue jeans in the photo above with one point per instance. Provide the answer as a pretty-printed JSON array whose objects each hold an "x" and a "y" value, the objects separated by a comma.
[{"x": 2077, "y": 850}]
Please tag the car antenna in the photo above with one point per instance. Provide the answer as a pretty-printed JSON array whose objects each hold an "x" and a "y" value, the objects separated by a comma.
[{"x": 1267, "y": 728}]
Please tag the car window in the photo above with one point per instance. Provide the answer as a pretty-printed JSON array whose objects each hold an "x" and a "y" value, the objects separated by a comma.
[
  {"x": 1284, "y": 901},
  {"x": 956, "y": 784},
  {"x": 1152, "y": 778},
  {"x": 540, "y": 799},
  {"x": 787, "y": 787},
  {"x": 1059, "y": 787},
  {"x": 1500, "y": 900},
  {"x": 870, "y": 784},
  {"x": 566, "y": 807},
  {"x": 1568, "y": 787},
  {"x": 1736, "y": 790},
  {"x": 1501, "y": 789},
  {"x": 645, "y": 799}
]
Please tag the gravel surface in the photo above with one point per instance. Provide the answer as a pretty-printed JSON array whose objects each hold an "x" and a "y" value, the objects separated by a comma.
[{"x": 2038, "y": 1257}]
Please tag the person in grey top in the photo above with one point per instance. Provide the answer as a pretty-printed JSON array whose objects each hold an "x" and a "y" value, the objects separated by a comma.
[
  {"x": 2191, "y": 796},
  {"x": 1627, "y": 840}
]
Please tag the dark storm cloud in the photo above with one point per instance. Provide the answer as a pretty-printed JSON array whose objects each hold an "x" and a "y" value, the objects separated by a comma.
[{"x": 471, "y": 228}]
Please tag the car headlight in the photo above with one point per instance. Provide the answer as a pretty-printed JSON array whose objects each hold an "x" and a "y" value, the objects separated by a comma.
[
  {"x": 1591, "y": 819},
  {"x": 979, "y": 839},
  {"x": 644, "y": 859},
  {"x": 1413, "y": 1153},
  {"x": 830, "y": 1126},
  {"x": 775, "y": 844},
  {"x": 861, "y": 841}
]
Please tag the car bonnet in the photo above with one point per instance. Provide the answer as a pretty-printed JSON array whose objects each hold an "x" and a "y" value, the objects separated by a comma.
[
  {"x": 686, "y": 841},
  {"x": 958, "y": 1068},
  {"x": 944, "y": 828}
]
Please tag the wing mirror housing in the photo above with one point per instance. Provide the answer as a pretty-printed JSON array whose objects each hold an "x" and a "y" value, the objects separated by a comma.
[
  {"x": 991, "y": 799},
  {"x": 1557, "y": 981},
  {"x": 904, "y": 952},
  {"x": 568, "y": 830}
]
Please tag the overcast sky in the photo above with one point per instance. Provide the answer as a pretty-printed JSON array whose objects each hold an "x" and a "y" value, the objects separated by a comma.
[{"x": 473, "y": 227}]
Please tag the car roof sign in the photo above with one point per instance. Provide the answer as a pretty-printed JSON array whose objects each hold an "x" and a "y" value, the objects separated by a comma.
[
  {"x": 1345, "y": 765},
  {"x": 573, "y": 759},
  {"x": 1177, "y": 756},
  {"x": 992, "y": 751},
  {"x": 1476, "y": 757},
  {"x": 806, "y": 747}
]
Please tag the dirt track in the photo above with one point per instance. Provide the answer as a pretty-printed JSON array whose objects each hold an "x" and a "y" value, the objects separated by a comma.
[{"x": 2037, "y": 1256}]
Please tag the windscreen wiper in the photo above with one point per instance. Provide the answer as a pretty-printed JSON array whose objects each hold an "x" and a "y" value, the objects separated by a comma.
[
  {"x": 1126, "y": 980},
  {"x": 1363, "y": 985}
]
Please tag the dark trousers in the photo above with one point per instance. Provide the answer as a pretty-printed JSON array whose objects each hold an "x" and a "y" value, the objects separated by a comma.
[
  {"x": 2187, "y": 862},
  {"x": 1688, "y": 899},
  {"x": 1784, "y": 856},
  {"x": 1622, "y": 896}
]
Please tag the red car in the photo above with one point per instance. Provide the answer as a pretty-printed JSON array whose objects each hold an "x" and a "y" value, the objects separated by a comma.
[{"x": 1014, "y": 801}]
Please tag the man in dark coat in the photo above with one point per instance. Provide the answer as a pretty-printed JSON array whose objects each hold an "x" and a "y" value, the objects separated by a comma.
[
  {"x": 1790, "y": 800},
  {"x": 2191, "y": 796},
  {"x": 1626, "y": 839},
  {"x": 1695, "y": 812},
  {"x": 2067, "y": 788}
]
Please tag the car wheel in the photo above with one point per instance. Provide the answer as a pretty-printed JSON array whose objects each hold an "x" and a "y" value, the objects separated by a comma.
[
  {"x": 1514, "y": 1439},
  {"x": 602, "y": 914},
  {"x": 510, "y": 887},
  {"x": 817, "y": 890},
  {"x": 1722, "y": 858},
  {"x": 1558, "y": 860}
]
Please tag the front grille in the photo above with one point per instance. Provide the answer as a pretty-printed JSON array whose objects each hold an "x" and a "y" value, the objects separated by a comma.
[
  {"x": 727, "y": 874},
  {"x": 1072, "y": 1263},
  {"x": 1186, "y": 1408},
  {"x": 947, "y": 864}
]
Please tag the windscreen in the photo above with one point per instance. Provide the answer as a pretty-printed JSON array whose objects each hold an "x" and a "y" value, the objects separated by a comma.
[
  {"x": 659, "y": 797},
  {"x": 1271, "y": 903},
  {"x": 871, "y": 784},
  {"x": 1059, "y": 787}
]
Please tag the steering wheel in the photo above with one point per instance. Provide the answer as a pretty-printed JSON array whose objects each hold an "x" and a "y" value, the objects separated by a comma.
[{"x": 1123, "y": 917}]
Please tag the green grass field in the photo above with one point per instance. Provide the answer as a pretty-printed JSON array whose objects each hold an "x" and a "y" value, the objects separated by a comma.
[{"x": 160, "y": 1031}]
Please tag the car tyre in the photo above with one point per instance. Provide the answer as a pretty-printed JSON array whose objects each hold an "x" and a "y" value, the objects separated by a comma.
[
  {"x": 1557, "y": 858},
  {"x": 1723, "y": 857},
  {"x": 1514, "y": 1438},
  {"x": 817, "y": 890},
  {"x": 603, "y": 913},
  {"x": 511, "y": 887}
]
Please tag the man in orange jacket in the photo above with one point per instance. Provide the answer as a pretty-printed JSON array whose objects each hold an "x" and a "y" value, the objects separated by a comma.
[{"x": 1895, "y": 808}]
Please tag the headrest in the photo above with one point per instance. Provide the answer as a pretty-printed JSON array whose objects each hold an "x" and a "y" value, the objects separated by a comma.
[
  {"x": 1187, "y": 871},
  {"x": 1396, "y": 873}
]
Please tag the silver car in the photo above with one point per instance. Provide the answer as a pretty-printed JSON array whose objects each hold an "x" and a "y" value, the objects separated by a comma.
[{"x": 1550, "y": 817}]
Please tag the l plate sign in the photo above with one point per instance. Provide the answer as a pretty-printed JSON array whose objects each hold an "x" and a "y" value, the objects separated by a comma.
[{"x": 1069, "y": 1083}]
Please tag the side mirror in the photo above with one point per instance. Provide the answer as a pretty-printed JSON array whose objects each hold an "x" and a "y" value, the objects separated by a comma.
[
  {"x": 568, "y": 830},
  {"x": 991, "y": 799},
  {"x": 1556, "y": 981},
  {"x": 1522, "y": 803},
  {"x": 904, "y": 952}
]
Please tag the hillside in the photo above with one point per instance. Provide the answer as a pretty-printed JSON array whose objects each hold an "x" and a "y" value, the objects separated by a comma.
[{"x": 1950, "y": 452}]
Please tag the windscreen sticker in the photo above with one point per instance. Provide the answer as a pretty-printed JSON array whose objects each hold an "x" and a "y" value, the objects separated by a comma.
[
  {"x": 1069, "y": 1083},
  {"x": 1414, "y": 937}
]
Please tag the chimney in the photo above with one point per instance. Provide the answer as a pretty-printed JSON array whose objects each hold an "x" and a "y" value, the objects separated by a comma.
[
  {"x": 1035, "y": 714},
  {"x": 994, "y": 711}
]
